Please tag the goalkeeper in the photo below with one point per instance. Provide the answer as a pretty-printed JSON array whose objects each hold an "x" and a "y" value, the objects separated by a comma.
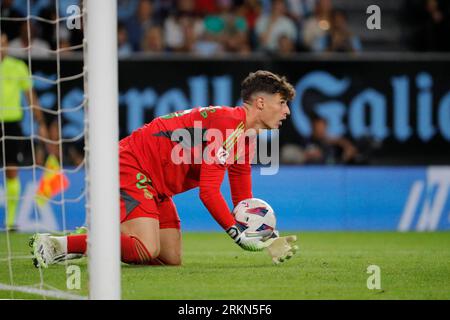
[{"x": 164, "y": 158}]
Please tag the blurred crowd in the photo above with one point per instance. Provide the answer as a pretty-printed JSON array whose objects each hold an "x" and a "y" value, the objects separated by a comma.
[
  {"x": 204, "y": 27},
  {"x": 322, "y": 148},
  {"x": 211, "y": 27}
]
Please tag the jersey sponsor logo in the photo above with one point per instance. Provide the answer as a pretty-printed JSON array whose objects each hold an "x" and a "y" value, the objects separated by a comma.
[{"x": 222, "y": 155}]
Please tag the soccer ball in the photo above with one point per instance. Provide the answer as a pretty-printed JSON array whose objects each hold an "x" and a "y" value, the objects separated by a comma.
[{"x": 256, "y": 215}]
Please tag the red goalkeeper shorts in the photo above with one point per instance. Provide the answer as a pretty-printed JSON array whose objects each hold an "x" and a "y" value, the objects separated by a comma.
[{"x": 139, "y": 199}]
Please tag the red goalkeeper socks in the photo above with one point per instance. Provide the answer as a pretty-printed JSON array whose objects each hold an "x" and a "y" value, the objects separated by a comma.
[
  {"x": 76, "y": 243},
  {"x": 133, "y": 251}
]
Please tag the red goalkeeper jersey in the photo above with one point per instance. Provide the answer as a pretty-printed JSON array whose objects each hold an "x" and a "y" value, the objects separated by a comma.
[{"x": 194, "y": 148}]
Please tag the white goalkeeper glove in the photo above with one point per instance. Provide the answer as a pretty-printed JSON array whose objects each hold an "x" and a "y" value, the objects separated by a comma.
[
  {"x": 250, "y": 241},
  {"x": 282, "y": 248}
]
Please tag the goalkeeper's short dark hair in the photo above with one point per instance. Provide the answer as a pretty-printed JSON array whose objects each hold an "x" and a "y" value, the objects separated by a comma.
[{"x": 267, "y": 82}]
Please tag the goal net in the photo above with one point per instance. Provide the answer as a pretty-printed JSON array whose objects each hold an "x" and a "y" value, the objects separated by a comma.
[{"x": 52, "y": 143}]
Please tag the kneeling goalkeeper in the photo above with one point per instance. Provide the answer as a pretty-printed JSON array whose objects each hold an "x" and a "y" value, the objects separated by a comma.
[{"x": 163, "y": 158}]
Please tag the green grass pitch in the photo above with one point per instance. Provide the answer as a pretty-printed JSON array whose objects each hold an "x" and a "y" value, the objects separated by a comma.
[{"x": 328, "y": 266}]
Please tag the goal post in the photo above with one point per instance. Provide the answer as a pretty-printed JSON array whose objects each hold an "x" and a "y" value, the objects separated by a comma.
[
  {"x": 48, "y": 190},
  {"x": 102, "y": 150}
]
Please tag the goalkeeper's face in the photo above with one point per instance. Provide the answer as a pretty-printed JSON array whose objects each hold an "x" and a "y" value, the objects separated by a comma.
[{"x": 273, "y": 110}]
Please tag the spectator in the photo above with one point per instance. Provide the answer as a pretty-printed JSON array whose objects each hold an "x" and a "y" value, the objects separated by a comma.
[
  {"x": 291, "y": 154},
  {"x": 270, "y": 27},
  {"x": 163, "y": 8},
  {"x": 64, "y": 5},
  {"x": 339, "y": 38},
  {"x": 318, "y": 25},
  {"x": 20, "y": 46},
  {"x": 227, "y": 27},
  {"x": 36, "y": 6},
  {"x": 7, "y": 10},
  {"x": 266, "y": 6},
  {"x": 251, "y": 10},
  {"x": 47, "y": 31},
  {"x": 206, "y": 7},
  {"x": 300, "y": 9},
  {"x": 174, "y": 27},
  {"x": 64, "y": 41},
  {"x": 124, "y": 47},
  {"x": 323, "y": 149},
  {"x": 286, "y": 46},
  {"x": 143, "y": 20},
  {"x": 238, "y": 43},
  {"x": 204, "y": 45},
  {"x": 153, "y": 40},
  {"x": 193, "y": 43},
  {"x": 126, "y": 9},
  {"x": 238, "y": 39}
]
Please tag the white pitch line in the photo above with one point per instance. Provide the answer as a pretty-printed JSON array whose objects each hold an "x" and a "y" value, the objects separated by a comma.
[{"x": 48, "y": 293}]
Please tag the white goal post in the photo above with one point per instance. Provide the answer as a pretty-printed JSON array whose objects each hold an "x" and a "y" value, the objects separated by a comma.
[
  {"x": 102, "y": 149},
  {"x": 45, "y": 211}
]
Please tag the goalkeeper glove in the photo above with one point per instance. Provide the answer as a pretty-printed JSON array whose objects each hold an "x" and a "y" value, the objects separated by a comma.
[
  {"x": 282, "y": 248},
  {"x": 250, "y": 241}
]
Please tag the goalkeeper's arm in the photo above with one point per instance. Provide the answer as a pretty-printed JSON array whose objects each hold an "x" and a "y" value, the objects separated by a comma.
[{"x": 211, "y": 178}]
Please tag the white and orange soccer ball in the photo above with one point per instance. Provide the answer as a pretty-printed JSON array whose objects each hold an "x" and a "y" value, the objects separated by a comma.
[{"x": 256, "y": 215}]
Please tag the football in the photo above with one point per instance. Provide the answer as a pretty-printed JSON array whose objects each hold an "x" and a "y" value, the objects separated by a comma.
[{"x": 256, "y": 215}]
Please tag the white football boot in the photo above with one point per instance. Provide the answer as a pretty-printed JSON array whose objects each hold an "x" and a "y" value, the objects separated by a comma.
[{"x": 47, "y": 250}]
